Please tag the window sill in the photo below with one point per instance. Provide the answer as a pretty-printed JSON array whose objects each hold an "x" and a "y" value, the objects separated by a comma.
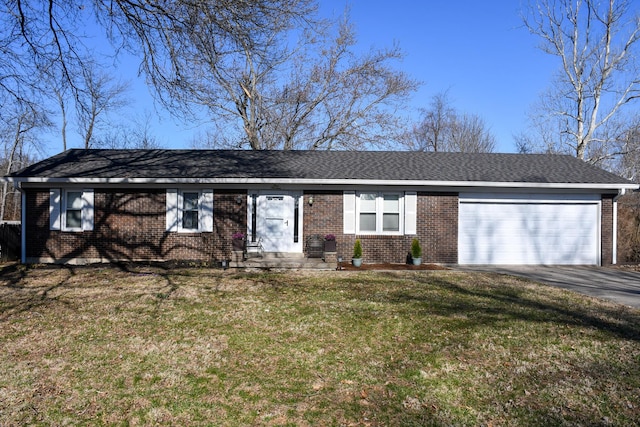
[
  {"x": 189, "y": 232},
  {"x": 376, "y": 235}
]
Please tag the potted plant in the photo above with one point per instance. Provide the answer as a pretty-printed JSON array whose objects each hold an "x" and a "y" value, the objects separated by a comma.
[
  {"x": 416, "y": 252},
  {"x": 330, "y": 243},
  {"x": 238, "y": 241},
  {"x": 357, "y": 254}
]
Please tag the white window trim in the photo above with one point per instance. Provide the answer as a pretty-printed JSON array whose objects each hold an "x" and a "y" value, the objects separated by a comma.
[
  {"x": 58, "y": 209},
  {"x": 65, "y": 209},
  {"x": 181, "y": 229},
  {"x": 380, "y": 213},
  {"x": 175, "y": 210}
]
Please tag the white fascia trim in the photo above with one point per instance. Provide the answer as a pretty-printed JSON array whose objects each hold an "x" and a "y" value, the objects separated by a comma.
[{"x": 343, "y": 182}]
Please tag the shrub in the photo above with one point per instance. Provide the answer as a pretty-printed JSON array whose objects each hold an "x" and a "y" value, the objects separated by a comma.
[
  {"x": 357, "y": 249},
  {"x": 416, "y": 250}
]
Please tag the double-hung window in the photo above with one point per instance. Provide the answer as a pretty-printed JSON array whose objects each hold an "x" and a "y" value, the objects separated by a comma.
[
  {"x": 391, "y": 213},
  {"x": 190, "y": 202},
  {"x": 380, "y": 213},
  {"x": 71, "y": 209},
  {"x": 368, "y": 211},
  {"x": 190, "y": 210}
]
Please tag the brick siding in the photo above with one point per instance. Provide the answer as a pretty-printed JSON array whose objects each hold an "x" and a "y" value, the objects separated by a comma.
[
  {"x": 606, "y": 230},
  {"x": 130, "y": 225},
  {"x": 437, "y": 229}
]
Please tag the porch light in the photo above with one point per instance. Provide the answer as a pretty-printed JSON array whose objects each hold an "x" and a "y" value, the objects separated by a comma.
[
  {"x": 239, "y": 200},
  {"x": 310, "y": 200}
]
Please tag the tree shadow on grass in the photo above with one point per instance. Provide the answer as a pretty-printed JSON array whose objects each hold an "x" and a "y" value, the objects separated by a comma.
[
  {"x": 467, "y": 303},
  {"x": 488, "y": 303},
  {"x": 17, "y": 297},
  {"x": 24, "y": 288}
]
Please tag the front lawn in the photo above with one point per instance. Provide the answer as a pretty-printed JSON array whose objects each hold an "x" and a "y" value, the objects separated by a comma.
[{"x": 143, "y": 345}]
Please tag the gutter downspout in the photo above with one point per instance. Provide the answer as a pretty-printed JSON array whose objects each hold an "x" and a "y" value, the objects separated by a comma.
[
  {"x": 614, "y": 259},
  {"x": 23, "y": 222}
]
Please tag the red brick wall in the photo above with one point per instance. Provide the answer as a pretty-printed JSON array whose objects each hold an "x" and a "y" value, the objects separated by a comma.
[
  {"x": 130, "y": 225},
  {"x": 606, "y": 230},
  {"x": 437, "y": 229}
]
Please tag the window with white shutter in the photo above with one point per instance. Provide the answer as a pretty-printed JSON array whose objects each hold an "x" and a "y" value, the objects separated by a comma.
[
  {"x": 71, "y": 209},
  {"x": 379, "y": 212},
  {"x": 189, "y": 210}
]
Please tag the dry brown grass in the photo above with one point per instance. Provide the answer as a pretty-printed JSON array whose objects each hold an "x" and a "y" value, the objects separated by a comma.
[{"x": 145, "y": 345}]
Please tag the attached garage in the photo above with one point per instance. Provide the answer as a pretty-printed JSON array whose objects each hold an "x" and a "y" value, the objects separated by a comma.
[{"x": 529, "y": 229}]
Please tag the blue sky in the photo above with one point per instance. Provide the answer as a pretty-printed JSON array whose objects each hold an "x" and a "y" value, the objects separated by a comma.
[{"x": 477, "y": 50}]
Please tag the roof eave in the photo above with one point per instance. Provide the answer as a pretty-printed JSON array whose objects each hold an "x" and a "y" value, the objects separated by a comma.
[{"x": 337, "y": 182}]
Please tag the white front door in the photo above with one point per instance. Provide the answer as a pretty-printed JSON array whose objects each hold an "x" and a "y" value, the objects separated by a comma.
[{"x": 277, "y": 221}]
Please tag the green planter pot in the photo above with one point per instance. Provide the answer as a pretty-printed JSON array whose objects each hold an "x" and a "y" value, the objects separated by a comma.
[
  {"x": 416, "y": 261},
  {"x": 357, "y": 262}
]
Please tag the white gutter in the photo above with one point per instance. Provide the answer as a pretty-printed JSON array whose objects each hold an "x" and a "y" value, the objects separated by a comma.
[{"x": 344, "y": 182}]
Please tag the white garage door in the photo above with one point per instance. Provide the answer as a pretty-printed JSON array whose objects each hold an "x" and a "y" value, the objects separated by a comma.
[{"x": 528, "y": 229}]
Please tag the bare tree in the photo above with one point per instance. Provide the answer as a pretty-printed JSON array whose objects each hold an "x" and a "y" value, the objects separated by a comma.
[
  {"x": 190, "y": 50},
  {"x": 19, "y": 124},
  {"x": 596, "y": 43},
  {"x": 319, "y": 95},
  {"x": 136, "y": 134},
  {"x": 59, "y": 90},
  {"x": 36, "y": 37},
  {"x": 469, "y": 134},
  {"x": 62, "y": 103},
  {"x": 141, "y": 135},
  {"x": 49, "y": 36},
  {"x": 98, "y": 95},
  {"x": 628, "y": 164},
  {"x": 431, "y": 133},
  {"x": 343, "y": 101},
  {"x": 442, "y": 128}
]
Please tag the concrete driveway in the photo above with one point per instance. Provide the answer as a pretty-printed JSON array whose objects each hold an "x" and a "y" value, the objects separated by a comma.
[{"x": 617, "y": 285}]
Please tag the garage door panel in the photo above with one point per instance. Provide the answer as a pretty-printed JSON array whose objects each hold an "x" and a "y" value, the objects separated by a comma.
[{"x": 532, "y": 231}]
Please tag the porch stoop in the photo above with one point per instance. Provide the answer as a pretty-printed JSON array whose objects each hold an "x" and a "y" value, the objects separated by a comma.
[{"x": 284, "y": 260}]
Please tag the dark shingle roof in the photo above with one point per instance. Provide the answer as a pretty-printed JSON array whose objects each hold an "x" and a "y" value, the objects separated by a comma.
[{"x": 319, "y": 165}]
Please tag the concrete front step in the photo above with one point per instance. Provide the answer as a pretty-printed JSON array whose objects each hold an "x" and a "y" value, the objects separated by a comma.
[{"x": 282, "y": 260}]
